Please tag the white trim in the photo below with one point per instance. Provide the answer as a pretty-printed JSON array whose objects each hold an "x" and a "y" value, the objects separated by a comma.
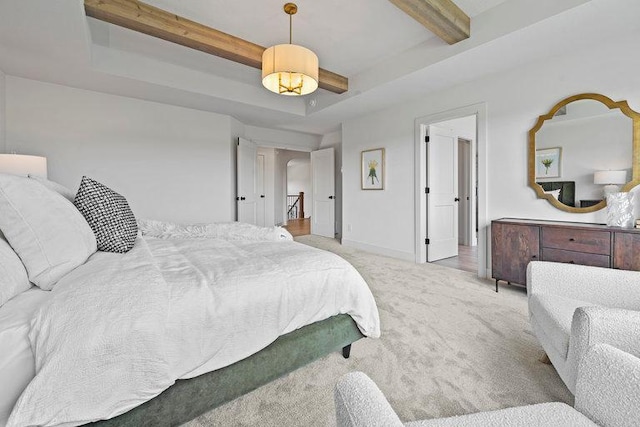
[
  {"x": 407, "y": 256},
  {"x": 480, "y": 111},
  {"x": 282, "y": 146}
]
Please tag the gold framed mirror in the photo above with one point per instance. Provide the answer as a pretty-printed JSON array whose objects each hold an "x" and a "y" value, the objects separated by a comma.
[{"x": 578, "y": 145}]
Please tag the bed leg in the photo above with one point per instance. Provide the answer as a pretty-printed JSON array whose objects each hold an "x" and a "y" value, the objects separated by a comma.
[{"x": 346, "y": 351}]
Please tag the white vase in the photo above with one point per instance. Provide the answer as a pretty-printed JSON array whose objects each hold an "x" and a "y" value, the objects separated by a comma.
[{"x": 620, "y": 210}]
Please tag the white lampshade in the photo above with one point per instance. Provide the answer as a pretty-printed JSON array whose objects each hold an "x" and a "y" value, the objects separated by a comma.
[
  {"x": 19, "y": 164},
  {"x": 289, "y": 69},
  {"x": 610, "y": 177}
]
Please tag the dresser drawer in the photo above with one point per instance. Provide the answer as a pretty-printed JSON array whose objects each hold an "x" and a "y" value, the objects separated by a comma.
[
  {"x": 571, "y": 257},
  {"x": 593, "y": 242}
]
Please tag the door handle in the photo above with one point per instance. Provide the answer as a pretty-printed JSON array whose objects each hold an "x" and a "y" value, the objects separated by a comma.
[
  {"x": 262, "y": 196},
  {"x": 242, "y": 198},
  {"x": 457, "y": 199},
  {"x": 331, "y": 197}
]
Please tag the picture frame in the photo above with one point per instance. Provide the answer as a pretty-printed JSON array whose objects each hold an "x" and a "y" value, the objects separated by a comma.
[
  {"x": 372, "y": 169},
  {"x": 548, "y": 163}
]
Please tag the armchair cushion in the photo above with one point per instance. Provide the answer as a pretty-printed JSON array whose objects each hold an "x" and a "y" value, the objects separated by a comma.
[
  {"x": 554, "y": 314},
  {"x": 608, "y": 387},
  {"x": 593, "y": 325},
  {"x": 540, "y": 415},
  {"x": 360, "y": 403}
]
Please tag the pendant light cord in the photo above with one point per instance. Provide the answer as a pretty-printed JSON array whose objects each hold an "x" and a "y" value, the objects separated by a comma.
[{"x": 290, "y": 29}]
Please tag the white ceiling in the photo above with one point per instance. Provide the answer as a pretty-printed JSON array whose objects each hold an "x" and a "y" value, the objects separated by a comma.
[{"x": 387, "y": 56}]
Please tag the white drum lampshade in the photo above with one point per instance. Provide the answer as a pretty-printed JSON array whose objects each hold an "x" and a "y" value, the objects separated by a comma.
[
  {"x": 289, "y": 69},
  {"x": 19, "y": 164},
  {"x": 612, "y": 180}
]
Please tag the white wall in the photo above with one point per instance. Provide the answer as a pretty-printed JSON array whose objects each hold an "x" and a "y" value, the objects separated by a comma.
[
  {"x": 3, "y": 113},
  {"x": 383, "y": 221},
  {"x": 283, "y": 139},
  {"x": 171, "y": 163},
  {"x": 299, "y": 177}
]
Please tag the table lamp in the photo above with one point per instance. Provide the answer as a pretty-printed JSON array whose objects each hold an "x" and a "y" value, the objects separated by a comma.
[
  {"x": 612, "y": 180},
  {"x": 19, "y": 164}
]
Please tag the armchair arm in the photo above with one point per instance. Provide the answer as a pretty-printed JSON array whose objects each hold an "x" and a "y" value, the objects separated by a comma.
[
  {"x": 600, "y": 325},
  {"x": 602, "y": 286},
  {"x": 360, "y": 403},
  {"x": 608, "y": 387}
]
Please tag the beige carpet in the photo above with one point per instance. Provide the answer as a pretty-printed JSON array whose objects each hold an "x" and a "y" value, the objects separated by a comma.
[{"x": 450, "y": 345}]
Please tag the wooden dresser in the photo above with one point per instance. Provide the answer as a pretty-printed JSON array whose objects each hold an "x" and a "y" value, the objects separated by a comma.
[{"x": 516, "y": 242}]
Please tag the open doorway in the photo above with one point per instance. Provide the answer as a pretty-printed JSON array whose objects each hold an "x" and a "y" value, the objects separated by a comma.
[
  {"x": 298, "y": 205},
  {"x": 452, "y": 189},
  {"x": 451, "y": 208}
]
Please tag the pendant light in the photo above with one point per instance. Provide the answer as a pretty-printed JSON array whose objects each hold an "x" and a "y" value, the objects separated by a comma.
[{"x": 289, "y": 69}]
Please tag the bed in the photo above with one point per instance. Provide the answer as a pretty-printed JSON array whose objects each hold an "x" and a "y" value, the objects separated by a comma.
[
  {"x": 186, "y": 320},
  {"x": 565, "y": 190}
]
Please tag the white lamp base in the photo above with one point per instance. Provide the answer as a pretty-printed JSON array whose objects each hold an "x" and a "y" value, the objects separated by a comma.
[{"x": 610, "y": 189}]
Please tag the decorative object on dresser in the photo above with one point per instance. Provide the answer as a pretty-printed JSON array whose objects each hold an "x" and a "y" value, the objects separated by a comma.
[
  {"x": 516, "y": 242},
  {"x": 620, "y": 210},
  {"x": 595, "y": 134}
]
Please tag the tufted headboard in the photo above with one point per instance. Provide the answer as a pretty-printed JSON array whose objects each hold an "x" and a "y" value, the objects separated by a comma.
[{"x": 567, "y": 190}]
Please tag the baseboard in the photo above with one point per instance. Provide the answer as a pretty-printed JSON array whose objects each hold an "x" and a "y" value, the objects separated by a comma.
[{"x": 407, "y": 256}]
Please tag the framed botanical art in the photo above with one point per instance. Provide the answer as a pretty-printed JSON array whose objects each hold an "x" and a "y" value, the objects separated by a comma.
[
  {"x": 548, "y": 162},
  {"x": 372, "y": 169}
]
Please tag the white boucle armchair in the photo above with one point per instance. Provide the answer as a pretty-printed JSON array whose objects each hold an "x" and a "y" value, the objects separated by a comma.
[
  {"x": 606, "y": 395},
  {"x": 572, "y": 307}
]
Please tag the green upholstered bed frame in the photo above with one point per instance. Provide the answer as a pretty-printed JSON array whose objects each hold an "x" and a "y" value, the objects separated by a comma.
[
  {"x": 187, "y": 399},
  {"x": 567, "y": 189}
]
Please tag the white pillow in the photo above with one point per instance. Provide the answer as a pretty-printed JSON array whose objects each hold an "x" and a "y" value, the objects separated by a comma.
[
  {"x": 13, "y": 276},
  {"x": 554, "y": 193},
  {"x": 44, "y": 229},
  {"x": 58, "y": 188}
]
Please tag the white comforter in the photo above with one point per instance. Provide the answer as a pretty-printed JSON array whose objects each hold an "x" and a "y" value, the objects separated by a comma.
[{"x": 122, "y": 328}]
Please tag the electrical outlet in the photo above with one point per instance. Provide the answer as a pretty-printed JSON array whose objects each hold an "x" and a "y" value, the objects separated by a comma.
[{"x": 349, "y": 228}]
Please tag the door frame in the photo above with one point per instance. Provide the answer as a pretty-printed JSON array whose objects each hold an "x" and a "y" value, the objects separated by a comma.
[{"x": 480, "y": 111}]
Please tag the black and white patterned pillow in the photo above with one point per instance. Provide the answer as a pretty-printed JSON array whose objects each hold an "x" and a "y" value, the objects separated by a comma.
[{"x": 108, "y": 215}]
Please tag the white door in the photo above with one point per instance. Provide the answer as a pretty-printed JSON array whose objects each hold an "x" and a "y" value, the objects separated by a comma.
[
  {"x": 246, "y": 187},
  {"x": 323, "y": 189},
  {"x": 442, "y": 198},
  {"x": 260, "y": 193}
]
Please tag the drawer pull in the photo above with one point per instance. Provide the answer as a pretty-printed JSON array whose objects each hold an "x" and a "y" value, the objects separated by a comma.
[
  {"x": 572, "y": 239},
  {"x": 571, "y": 262},
  {"x": 534, "y": 256}
]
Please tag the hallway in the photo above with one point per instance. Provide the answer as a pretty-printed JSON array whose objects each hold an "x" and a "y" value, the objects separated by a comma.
[
  {"x": 299, "y": 227},
  {"x": 466, "y": 260}
]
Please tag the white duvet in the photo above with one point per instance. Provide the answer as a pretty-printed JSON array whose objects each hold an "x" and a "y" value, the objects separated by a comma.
[{"x": 120, "y": 329}]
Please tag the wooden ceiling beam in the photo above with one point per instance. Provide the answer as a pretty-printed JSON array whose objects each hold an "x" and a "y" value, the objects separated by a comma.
[
  {"x": 155, "y": 22},
  {"x": 441, "y": 17}
]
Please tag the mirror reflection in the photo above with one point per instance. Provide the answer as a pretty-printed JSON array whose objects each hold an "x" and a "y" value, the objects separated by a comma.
[{"x": 584, "y": 150}]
